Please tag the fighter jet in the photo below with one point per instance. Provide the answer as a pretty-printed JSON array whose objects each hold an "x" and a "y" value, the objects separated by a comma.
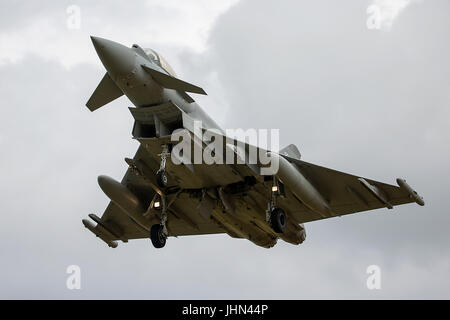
[{"x": 160, "y": 197}]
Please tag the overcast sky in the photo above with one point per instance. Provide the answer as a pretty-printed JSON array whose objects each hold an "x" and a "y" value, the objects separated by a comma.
[{"x": 372, "y": 102}]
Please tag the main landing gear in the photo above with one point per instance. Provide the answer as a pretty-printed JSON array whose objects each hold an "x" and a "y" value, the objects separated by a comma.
[
  {"x": 157, "y": 236},
  {"x": 275, "y": 215},
  {"x": 278, "y": 220},
  {"x": 159, "y": 232}
]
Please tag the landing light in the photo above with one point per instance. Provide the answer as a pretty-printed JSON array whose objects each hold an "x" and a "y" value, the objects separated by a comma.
[
  {"x": 275, "y": 189},
  {"x": 157, "y": 204}
]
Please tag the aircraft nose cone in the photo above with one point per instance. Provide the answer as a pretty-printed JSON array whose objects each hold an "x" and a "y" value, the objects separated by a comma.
[{"x": 116, "y": 58}]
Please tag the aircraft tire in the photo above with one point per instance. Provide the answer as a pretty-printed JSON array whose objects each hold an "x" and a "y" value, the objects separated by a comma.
[
  {"x": 162, "y": 179},
  {"x": 278, "y": 220},
  {"x": 157, "y": 236}
]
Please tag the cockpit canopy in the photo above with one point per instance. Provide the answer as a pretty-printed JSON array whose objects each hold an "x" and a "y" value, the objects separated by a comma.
[{"x": 160, "y": 61}]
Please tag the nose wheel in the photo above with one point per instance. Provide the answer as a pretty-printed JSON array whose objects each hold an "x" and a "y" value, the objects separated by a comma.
[{"x": 161, "y": 178}]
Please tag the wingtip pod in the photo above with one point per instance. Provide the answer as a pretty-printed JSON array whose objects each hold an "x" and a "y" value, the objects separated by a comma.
[{"x": 412, "y": 193}]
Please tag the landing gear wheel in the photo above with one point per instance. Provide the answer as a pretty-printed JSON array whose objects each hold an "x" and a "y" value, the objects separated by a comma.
[
  {"x": 161, "y": 179},
  {"x": 278, "y": 220},
  {"x": 157, "y": 236}
]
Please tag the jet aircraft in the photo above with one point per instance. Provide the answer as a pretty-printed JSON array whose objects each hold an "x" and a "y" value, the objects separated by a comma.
[{"x": 158, "y": 198}]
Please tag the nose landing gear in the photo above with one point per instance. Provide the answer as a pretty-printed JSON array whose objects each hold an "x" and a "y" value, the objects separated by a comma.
[
  {"x": 161, "y": 175},
  {"x": 161, "y": 178}
]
